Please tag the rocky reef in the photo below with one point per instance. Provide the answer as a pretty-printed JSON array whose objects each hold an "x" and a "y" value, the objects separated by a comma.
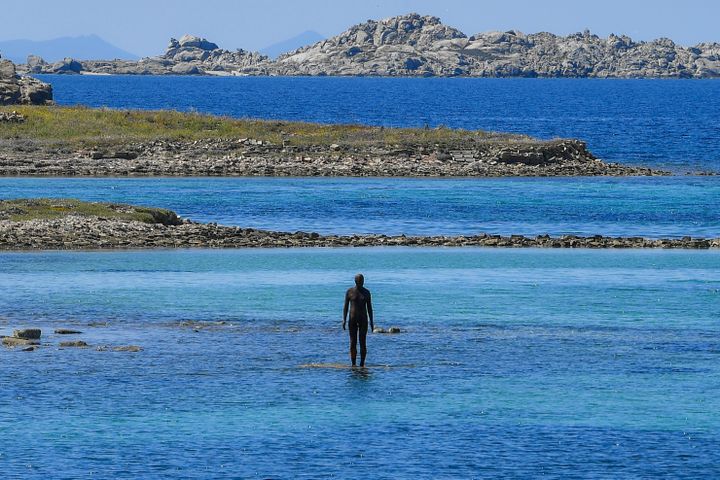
[
  {"x": 17, "y": 89},
  {"x": 415, "y": 45},
  {"x": 73, "y": 225}
]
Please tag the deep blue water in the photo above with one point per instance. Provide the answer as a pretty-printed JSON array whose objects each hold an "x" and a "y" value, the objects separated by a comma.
[
  {"x": 652, "y": 207},
  {"x": 664, "y": 123},
  {"x": 593, "y": 364}
]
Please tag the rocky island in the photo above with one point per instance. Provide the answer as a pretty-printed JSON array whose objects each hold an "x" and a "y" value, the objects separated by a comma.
[
  {"x": 62, "y": 224},
  {"x": 77, "y": 141},
  {"x": 422, "y": 46}
]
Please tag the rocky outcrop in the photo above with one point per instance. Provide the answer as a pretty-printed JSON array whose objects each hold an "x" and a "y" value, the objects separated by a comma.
[
  {"x": 35, "y": 64},
  {"x": 415, "y": 45},
  {"x": 17, "y": 89},
  {"x": 190, "y": 55},
  {"x": 406, "y": 45},
  {"x": 79, "y": 233},
  {"x": 496, "y": 157}
]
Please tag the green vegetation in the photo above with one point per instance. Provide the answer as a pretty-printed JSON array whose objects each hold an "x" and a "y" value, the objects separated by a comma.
[
  {"x": 85, "y": 127},
  {"x": 51, "y": 208}
]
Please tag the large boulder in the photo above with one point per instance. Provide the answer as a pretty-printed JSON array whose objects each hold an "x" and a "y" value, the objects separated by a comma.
[
  {"x": 7, "y": 69},
  {"x": 35, "y": 64},
  {"x": 9, "y": 87},
  {"x": 68, "y": 65},
  {"x": 35, "y": 92},
  {"x": 186, "y": 69},
  {"x": 16, "y": 89},
  {"x": 191, "y": 41}
]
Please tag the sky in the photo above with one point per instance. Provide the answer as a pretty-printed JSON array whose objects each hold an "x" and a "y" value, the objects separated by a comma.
[{"x": 144, "y": 27}]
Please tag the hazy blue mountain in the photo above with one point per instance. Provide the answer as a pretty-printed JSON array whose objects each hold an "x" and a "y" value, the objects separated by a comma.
[
  {"x": 84, "y": 47},
  {"x": 306, "y": 38}
]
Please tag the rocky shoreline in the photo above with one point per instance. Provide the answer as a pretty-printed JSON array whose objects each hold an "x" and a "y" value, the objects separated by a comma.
[
  {"x": 511, "y": 157},
  {"x": 96, "y": 233}
]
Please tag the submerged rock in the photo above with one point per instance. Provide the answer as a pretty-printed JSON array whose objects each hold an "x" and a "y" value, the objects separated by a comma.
[
  {"x": 391, "y": 330},
  {"x": 18, "y": 342},
  {"x": 28, "y": 333},
  {"x": 128, "y": 348},
  {"x": 66, "y": 331},
  {"x": 74, "y": 344}
]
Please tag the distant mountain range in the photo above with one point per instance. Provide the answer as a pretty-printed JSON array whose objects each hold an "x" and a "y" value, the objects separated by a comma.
[
  {"x": 306, "y": 38},
  {"x": 422, "y": 46},
  {"x": 87, "y": 46}
]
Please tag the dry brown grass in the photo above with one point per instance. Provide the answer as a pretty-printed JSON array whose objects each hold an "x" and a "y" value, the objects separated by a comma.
[{"x": 82, "y": 126}]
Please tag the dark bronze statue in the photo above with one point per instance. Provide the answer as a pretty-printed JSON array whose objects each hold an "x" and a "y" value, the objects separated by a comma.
[{"x": 359, "y": 302}]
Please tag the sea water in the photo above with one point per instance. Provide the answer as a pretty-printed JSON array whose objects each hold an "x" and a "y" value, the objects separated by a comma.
[
  {"x": 651, "y": 207},
  {"x": 670, "y": 124},
  {"x": 511, "y": 363}
]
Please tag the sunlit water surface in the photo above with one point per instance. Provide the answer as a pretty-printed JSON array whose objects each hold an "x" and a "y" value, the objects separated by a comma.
[{"x": 511, "y": 363}]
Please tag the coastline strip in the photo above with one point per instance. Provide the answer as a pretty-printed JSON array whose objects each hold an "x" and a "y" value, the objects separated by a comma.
[
  {"x": 80, "y": 233},
  {"x": 79, "y": 141},
  {"x": 69, "y": 224}
]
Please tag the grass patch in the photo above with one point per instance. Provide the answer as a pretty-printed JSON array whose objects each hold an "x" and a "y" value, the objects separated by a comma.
[
  {"x": 53, "y": 208},
  {"x": 85, "y": 127}
]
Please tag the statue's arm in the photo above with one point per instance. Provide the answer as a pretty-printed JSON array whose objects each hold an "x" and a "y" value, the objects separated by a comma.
[
  {"x": 370, "y": 312},
  {"x": 345, "y": 309}
]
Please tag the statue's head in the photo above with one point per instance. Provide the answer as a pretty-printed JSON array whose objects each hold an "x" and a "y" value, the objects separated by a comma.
[{"x": 359, "y": 280}]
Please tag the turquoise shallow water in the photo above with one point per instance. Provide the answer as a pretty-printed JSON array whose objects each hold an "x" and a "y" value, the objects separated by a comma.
[
  {"x": 512, "y": 363},
  {"x": 652, "y": 207}
]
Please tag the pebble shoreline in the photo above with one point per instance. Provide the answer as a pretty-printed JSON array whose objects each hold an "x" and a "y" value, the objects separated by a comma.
[{"x": 87, "y": 233}]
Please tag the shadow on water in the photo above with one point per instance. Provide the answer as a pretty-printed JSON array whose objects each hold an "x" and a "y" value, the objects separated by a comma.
[{"x": 359, "y": 374}]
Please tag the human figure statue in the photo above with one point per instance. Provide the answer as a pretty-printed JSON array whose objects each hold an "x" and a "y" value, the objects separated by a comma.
[{"x": 358, "y": 300}]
